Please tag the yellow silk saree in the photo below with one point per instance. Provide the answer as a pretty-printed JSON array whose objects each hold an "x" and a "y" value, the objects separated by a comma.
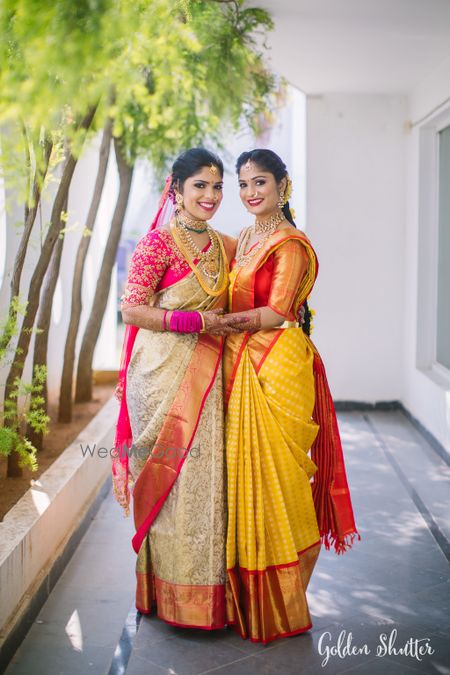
[{"x": 276, "y": 518}]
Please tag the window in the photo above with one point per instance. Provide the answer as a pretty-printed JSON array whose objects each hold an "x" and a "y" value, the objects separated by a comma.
[
  {"x": 433, "y": 289},
  {"x": 443, "y": 271}
]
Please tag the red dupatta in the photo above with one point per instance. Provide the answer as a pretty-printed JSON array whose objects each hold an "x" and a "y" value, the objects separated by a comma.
[{"x": 124, "y": 437}]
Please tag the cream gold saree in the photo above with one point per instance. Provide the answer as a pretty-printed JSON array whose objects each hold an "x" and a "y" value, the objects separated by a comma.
[{"x": 177, "y": 467}]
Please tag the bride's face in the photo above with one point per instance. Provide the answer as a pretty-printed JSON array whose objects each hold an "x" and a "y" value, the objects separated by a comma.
[
  {"x": 259, "y": 190},
  {"x": 202, "y": 193}
]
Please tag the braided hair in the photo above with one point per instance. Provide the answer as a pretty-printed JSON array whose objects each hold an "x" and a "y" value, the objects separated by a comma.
[{"x": 269, "y": 161}]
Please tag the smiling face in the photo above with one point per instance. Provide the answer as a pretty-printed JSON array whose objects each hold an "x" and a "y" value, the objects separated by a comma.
[
  {"x": 259, "y": 190},
  {"x": 202, "y": 194}
]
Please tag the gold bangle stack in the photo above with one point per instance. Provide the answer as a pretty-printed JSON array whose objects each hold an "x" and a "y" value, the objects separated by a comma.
[{"x": 203, "y": 328}]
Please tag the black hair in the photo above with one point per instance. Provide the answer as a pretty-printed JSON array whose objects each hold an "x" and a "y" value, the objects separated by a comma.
[
  {"x": 191, "y": 162},
  {"x": 269, "y": 161}
]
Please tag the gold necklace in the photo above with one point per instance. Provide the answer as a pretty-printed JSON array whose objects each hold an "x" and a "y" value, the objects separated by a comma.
[
  {"x": 209, "y": 259},
  {"x": 268, "y": 225},
  {"x": 264, "y": 227},
  {"x": 191, "y": 251},
  {"x": 189, "y": 223}
]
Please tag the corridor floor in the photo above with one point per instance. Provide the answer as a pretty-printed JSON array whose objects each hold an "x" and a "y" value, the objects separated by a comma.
[{"x": 394, "y": 585}]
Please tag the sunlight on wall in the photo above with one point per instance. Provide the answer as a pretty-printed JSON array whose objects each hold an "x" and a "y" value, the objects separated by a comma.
[{"x": 41, "y": 500}]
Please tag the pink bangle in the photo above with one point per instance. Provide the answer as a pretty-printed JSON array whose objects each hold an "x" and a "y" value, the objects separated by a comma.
[
  {"x": 185, "y": 322},
  {"x": 164, "y": 320}
]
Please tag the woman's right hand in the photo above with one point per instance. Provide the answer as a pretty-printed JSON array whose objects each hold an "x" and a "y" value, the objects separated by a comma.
[{"x": 217, "y": 324}]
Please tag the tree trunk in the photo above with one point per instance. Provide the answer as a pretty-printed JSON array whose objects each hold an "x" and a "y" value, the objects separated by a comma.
[
  {"x": 65, "y": 396},
  {"x": 23, "y": 343},
  {"x": 84, "y": 371},
  {"x": 43, "y": 324},
  {"x": 31, "y": 208}
]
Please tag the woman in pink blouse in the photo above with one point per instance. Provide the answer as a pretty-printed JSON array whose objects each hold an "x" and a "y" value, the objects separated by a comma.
[{"x": 170, "y": 436}]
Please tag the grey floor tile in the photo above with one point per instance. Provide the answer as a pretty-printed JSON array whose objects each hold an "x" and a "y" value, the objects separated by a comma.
[
  {"x": 50, "y": 658},
  {"x": 252, "y": 665},
  {"x": 427, "y": 473},
  {"x": 383, "y": 666},
  {"x": 189, "y": 652}
]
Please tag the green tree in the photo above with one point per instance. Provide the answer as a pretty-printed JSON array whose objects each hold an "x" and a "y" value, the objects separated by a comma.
[{"x": 181, "y": 73}]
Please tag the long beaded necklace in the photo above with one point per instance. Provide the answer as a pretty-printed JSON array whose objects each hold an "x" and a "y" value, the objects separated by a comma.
[
  {"x": 266, "y": 228},
  {"x": 208, "y": 259},
  {"x": 190, "y": 253}
]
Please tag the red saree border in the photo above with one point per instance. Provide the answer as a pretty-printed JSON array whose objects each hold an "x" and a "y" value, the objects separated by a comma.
[
  {"x": 169, "y": 599},
  {"x": 234, "y": 625},
  {"x": 259, "y": 345},
  {"x": 229, "y": 385},
  {"x": 269, "y": 349},
  {"x": 281, "y": 565},
  {"x": 330, "y": 489},
  {"x": 270, "y": 605},
  {"x": 156, "y": 479}
]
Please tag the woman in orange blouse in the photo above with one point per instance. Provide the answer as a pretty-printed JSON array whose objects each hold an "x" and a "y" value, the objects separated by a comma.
[{"x": 278, "y": 408}]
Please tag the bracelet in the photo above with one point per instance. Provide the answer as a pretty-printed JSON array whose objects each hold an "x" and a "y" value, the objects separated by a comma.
[
  {"x": 164, "y": 320},
  {"x": 203, "y": 328},
  {"x": 185, "y": 322}
]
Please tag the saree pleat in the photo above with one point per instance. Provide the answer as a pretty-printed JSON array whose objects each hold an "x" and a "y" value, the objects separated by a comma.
[{"x": 273, "y": 539}]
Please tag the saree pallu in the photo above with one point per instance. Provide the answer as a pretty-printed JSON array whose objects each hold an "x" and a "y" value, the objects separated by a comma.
[
  {"x": 174, "y": 395},
  {"x": 273, "y": 538}
]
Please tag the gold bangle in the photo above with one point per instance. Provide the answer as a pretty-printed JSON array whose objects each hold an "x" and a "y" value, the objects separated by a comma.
[{"x": 203, "y": 328}]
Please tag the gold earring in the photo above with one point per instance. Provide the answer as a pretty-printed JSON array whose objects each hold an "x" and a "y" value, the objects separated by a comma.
[
  {"x": 179, "y": 201},
  {"x": 281, "y": 201}
]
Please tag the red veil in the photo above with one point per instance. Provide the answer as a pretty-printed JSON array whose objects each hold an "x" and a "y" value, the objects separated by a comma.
[{"x": 124, "y": 437}]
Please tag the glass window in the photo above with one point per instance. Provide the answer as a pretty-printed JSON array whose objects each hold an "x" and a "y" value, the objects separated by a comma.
[{"x": 443, "y": 299}]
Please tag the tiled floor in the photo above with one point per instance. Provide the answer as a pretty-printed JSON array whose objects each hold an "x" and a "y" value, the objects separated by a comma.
[{"x": 394, "y": 583}]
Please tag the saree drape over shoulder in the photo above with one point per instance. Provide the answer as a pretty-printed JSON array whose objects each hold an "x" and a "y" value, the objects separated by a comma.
[
  {"x": 278, "y": 408},
  {"x": 176, "y": 466}
]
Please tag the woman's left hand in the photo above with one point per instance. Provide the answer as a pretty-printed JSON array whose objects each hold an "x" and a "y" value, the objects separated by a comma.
[{"x": 218, "y": 323}]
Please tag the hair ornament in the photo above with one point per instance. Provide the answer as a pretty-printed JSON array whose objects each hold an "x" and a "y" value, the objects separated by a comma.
[{"x": 288, "y": 191}]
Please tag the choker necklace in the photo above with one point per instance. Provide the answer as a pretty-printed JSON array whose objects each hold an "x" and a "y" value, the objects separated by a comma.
[
  {"x": 264, "y": 227},
  {"x": 268, "y": 225},
  {"x": 192, "y": 225}
]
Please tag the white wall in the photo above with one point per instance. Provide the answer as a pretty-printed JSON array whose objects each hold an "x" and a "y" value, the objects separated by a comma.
[
  {"x": 355, "y": 220},
  {"x": 426, "y": 392}
]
